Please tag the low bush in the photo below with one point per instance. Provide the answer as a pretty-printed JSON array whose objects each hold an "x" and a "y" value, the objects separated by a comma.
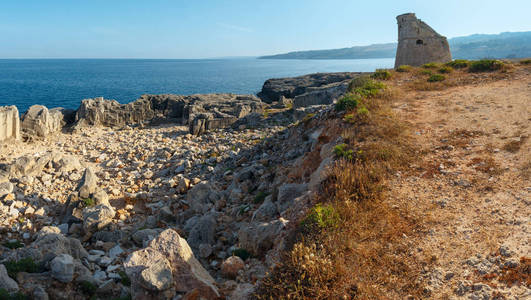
[
  {"x": 426, "y": 72},
  {"x": 348, "y": 102},
  {"x": 322, "y": 217},
  {"x": 446, "y": 70},
  {"x": 358, "y": 82},
  {"x": 260, "y": 197},
  {"x": 241, "y": 253},
  {"x": 525, "y": 62},
  {"x": 485, "y": 65},
  {"x": 363, "y": 111},
  {"x": 24, "y": 265},
  {"x": 436, "y": 77},
  {"x": 13, "y": 244},
  {"x": 381, "y": 74},
  {"x": 458, "y": 64},
  {"x": 88, "y": 202},
  {"x": 370, "y": 89},
  {"x": 431, "y": 65},
  {"x": 88, "y": 288},
  {"x": 404, "y": 68},
  {"x": 124, "y": 279},
  {"x": 341, "y": 151}
]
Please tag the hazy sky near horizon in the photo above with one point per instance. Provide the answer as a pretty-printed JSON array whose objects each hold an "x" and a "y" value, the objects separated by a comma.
[{"x": 208, "y": 28}]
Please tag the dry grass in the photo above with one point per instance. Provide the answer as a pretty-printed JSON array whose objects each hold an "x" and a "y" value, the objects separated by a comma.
[
  {"x": 417, "y": 78},
  {"x": 461, "y": 138},
  {"x": 366, "y": 255},
  {"x": 517, "y": 275}
]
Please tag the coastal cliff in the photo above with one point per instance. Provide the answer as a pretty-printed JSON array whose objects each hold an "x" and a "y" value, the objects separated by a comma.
[{"x": 392, "y": 186}]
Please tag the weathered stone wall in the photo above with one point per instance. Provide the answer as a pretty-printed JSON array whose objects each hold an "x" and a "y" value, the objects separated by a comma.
[
  {"x": 9, "y": 123},
  {"x": 418, "y": 43}
]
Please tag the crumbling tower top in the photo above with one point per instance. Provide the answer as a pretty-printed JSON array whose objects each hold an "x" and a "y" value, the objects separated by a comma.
[{"x": 418, "y": 43}]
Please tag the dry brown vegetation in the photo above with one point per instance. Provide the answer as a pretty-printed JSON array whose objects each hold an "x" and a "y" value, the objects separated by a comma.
[
  {"x": 417, "y": 77},
  {"x": 364, "y": 255},
  {"x": 362, "y": 250}
]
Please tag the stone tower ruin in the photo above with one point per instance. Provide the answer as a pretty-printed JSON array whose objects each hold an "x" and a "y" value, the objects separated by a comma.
[{"x": 418, "y": 43}]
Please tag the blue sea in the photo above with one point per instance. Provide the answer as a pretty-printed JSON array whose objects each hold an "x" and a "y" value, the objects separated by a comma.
[{"x": 65, "y": 82}]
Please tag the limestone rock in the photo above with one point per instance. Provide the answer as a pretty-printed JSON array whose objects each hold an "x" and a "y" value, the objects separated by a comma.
[
  {"x": 258, "y": 238},
  {"x": 145, "y": 235},
  {"x": 187, "y": 273},
  {"x": 7, "y": 282},
  {"x": 67, "y": 163},
  {"x": 231, "y": 266},
  {"x": 157, "y": 276},
  {"x": 48, "y": 246},
  {"x": 28, "y": 165},
  {"x": 266, "y": 211},
  {"x": 287, "y": 193},
  {"x": 101, "y": 112},
  {"x": 88, "y": 184},
  {"x": 203, "y": 232},
  {"x": 5, "y": 188},
  {"x": 9, "y": 123},
  {"x": 324, "y": 95},
  {"x": 62, "y": 267},
  {"x": 201, "y": 197},
  {"x": 274, "y": 89},
  {"x": 41, "y": 122},
  {"x": 97, "y": 217},
  {"x": 418, "y": 43}
]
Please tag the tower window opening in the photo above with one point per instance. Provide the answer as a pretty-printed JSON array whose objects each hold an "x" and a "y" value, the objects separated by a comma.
[{"x": 420, "y": 42}]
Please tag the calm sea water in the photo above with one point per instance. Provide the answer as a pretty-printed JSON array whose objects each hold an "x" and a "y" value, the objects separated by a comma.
[{"x": 65, "y": 82}]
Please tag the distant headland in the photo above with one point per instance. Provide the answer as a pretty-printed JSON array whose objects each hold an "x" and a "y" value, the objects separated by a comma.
[{"x": 476, "y": 46}]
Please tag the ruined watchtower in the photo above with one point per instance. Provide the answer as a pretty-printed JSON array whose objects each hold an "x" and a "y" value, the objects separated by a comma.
[{"x": 418, "y": 43}]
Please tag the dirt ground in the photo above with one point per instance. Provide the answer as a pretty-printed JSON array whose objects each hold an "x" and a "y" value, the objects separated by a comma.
[{"x": 473, "y": 185}]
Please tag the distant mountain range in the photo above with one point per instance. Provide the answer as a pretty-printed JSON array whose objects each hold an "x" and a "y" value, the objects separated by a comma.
[{"x": 476, "y": 46}]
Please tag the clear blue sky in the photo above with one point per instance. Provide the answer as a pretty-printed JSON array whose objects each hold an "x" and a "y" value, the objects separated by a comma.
[{"x": 199, "y": 29}]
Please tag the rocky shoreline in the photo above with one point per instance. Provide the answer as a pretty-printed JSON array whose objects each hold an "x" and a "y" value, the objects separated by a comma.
[{"x": 167, "y": 197}]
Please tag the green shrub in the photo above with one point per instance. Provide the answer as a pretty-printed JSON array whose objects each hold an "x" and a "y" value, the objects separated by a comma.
[
  {"x": 458, "y": 64},
  {"x": 87, "y": 288},
  {"x": 404, "y": 68},
  {"x": 13, "y": 244},
  {"x": 525, "y": 62},
  {"x": 485, "y": 65},
  {"x": 341, "y": 151},
  {"x": 348, "y": 102},
  {"x": 436, "y": 77},
  {"x": 426, "y": 72},
  {"x": 241, "y": 253},
  {"x": 358, "y": 82},
  {"x": 363, "y": 111},
  {"x": 381, "y": 74},
  {"x": 446, "y": 70},
  {"x": 124, "y": 279},
  {"x": 88, "y": 202},
  {"x": 431, "y": 65},
  {"x": 24, "y": 265},
  {"x": 322, "y": 216},
  {"x": 370, "y": 89},
  {"x": 260, "y": 197}
]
